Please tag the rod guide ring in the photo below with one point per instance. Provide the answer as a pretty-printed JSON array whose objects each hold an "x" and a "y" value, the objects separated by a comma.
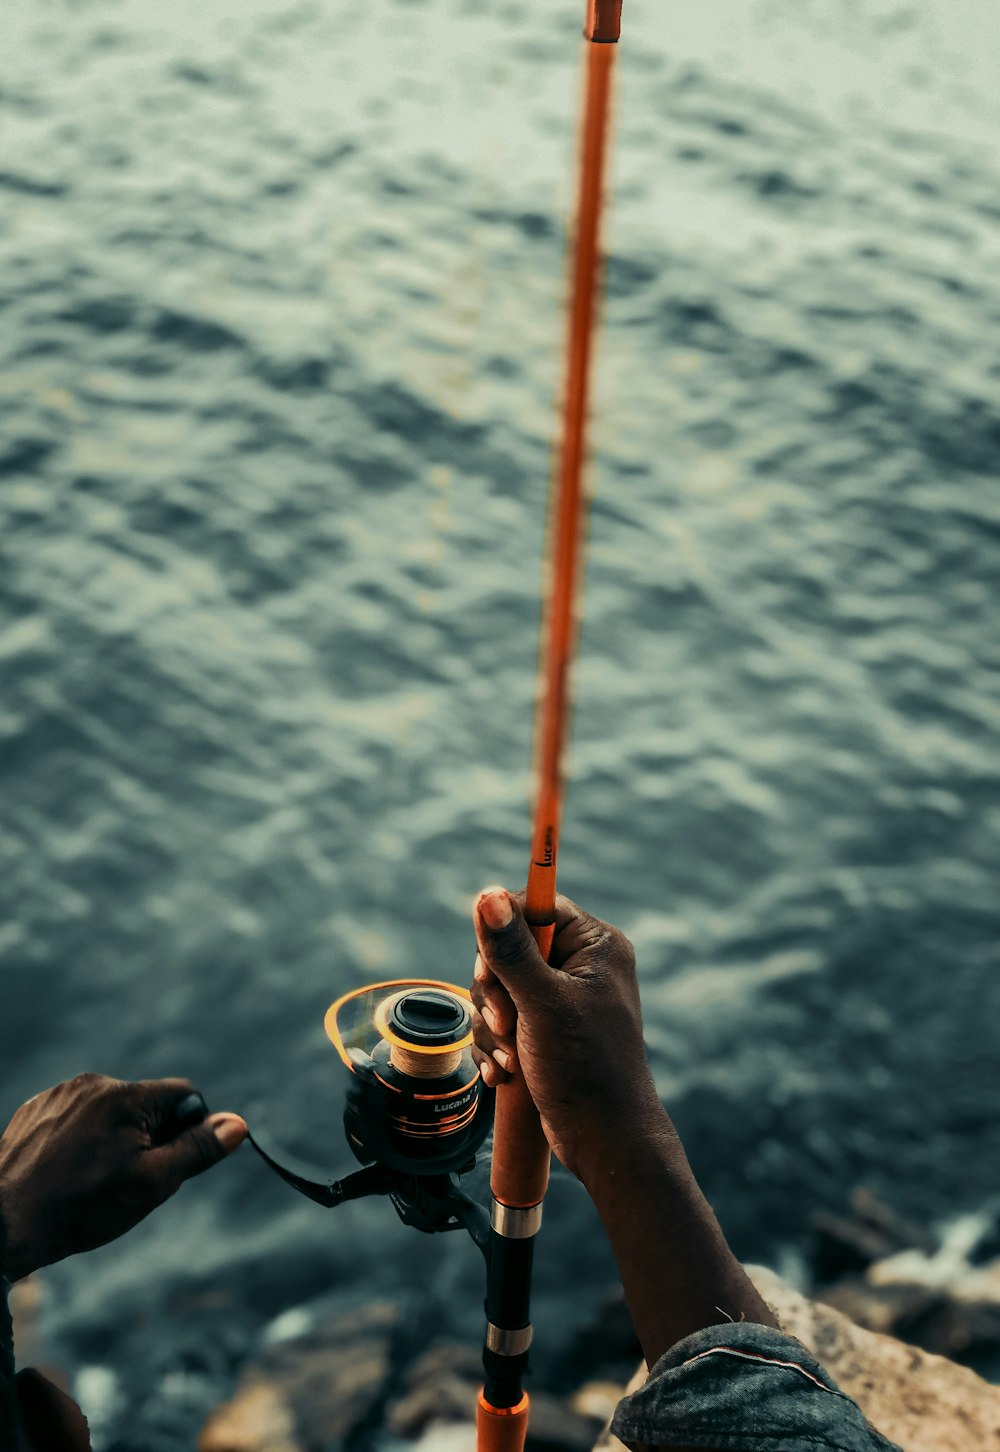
[
  {"x": 514, "y": 1223},
  {"x": 507, "y": 1343}
]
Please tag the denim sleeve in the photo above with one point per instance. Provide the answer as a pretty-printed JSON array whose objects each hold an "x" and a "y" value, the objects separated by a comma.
[{"x": 743, "y": 1388}]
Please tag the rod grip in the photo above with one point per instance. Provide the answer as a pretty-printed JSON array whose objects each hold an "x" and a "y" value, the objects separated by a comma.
[
  {"x": 501, "y": 1430},
  {"x": 520, "y": 1173}
]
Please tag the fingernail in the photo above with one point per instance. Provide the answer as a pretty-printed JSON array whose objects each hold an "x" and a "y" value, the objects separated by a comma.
[
  {"x": 229, "y": 1130},
  {"x": 484, "y": 1076},
  {"x": 504, "y": 1059},
  {"x": 495, "y": 908},
  {"x": 479, "y": 972},
  {"x": 490, "y": 1017}
]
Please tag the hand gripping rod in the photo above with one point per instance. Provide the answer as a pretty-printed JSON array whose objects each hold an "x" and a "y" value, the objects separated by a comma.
[{"x": 521, "y": 1155}]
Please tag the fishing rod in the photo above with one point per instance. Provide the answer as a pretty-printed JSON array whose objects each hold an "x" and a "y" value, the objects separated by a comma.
[
  {"x": 520, "y": 1170},
  {"x": 417, "y": 1109}
]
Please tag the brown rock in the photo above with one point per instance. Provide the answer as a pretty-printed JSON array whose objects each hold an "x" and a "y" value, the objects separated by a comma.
[
  {"x": 939, "y": 1302},
  {"x": 26, "y": 1302},
  {"x": 607, "y": 1443},
  {"x": 890, "y": 1310},
  {"x": 597, "y": 1399},
  {"x": 316, "y": 1389},
  {"x": 447, "y": 1437},
  {"x": 258, "y": 1419},
  {"x": 555, "y": 1427},
  {"x": 441, "y": 1387},
  {"x": 921, "y": 1401}
]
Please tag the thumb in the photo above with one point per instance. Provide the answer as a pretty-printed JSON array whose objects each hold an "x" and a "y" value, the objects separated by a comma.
[
  {"x": 197, "y": 1149},
  {"x": 507, "y": 946}
]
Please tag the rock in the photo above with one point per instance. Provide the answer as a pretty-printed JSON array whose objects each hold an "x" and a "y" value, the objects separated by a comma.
[
  {"x": 441, "y": 1387},
  {"x": 606, "y": 1442},
  {"x": 596, "y": 1399},
  {"x": 313, "y": 1390},
  {"x": 442, "y": 1437},
  {"x": 940, "y": 1303},
  {"x": 921, "y": 1401},
  {"x": 890, "y": 1310},
  {"x": 441, "y": 1390},
  {"x": 26, "y": 1302},
  {"x": 556, "y": 1427},
  {"x": 848, "y": 1245},
  {"x": 942, "y": 1295},
  {"x": 258, "y": 1419}
]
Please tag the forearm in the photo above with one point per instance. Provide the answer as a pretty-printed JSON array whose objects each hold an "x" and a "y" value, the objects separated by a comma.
[{"x": 677, "y": 1270}]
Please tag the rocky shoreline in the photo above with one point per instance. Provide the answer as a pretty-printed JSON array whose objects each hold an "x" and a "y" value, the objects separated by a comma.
[{"x": 907, "y": 1323}]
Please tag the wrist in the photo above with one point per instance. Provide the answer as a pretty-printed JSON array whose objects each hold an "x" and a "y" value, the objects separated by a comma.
[{"x": 635, "y": 1132}]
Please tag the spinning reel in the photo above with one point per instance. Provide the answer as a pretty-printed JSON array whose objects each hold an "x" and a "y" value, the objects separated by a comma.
[{"x": 417, "y": 1110}]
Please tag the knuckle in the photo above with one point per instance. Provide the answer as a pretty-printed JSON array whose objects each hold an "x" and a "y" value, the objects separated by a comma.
[
  {"x": 609, "y": 945},
  {"x": 495, "y": 1001},
  {"x": 86, "y": 1080},
  {"x": 510, "y": 948},
  {"x": 484, "y": 1043},
  {"x": 94, "y": 1086},
  {"x": 622, "y": 947}
]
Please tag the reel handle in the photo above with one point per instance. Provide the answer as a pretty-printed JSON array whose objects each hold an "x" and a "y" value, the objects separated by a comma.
[
  {"x": 185, "y": 1114},
  {"x": 330, "y": 1193},
  {"x": 431, "y": 1203}
]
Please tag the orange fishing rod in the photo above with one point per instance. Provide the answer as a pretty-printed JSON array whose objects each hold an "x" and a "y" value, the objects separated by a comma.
[{"x": 520, "y": 1170}]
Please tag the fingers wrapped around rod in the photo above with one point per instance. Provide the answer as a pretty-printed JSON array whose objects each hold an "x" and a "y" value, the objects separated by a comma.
[{"x": 493, "y": 1022}]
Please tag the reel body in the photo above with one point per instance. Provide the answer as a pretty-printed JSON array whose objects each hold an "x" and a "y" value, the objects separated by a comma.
[
  {"x": 417, "y": 1126},
  {"x": 416, "y": 1102},
  {"x": 417, "y": 1109}
]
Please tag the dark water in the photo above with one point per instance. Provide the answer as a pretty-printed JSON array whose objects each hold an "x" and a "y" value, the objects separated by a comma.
[{"x": 281, "y": 310}]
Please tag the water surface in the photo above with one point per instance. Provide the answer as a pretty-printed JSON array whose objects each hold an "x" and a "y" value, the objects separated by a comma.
[{"x": 281, "y": 311}]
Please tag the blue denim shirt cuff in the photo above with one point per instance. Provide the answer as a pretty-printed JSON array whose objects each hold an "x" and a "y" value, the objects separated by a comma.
[{"x": 741, "y": 1387}]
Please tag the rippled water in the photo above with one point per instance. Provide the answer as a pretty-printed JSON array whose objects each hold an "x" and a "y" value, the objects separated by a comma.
[{"x": 279, "y": 345}]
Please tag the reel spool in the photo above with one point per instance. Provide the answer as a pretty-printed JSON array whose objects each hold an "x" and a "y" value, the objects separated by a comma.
[{"x": 416, "y": 1103}]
